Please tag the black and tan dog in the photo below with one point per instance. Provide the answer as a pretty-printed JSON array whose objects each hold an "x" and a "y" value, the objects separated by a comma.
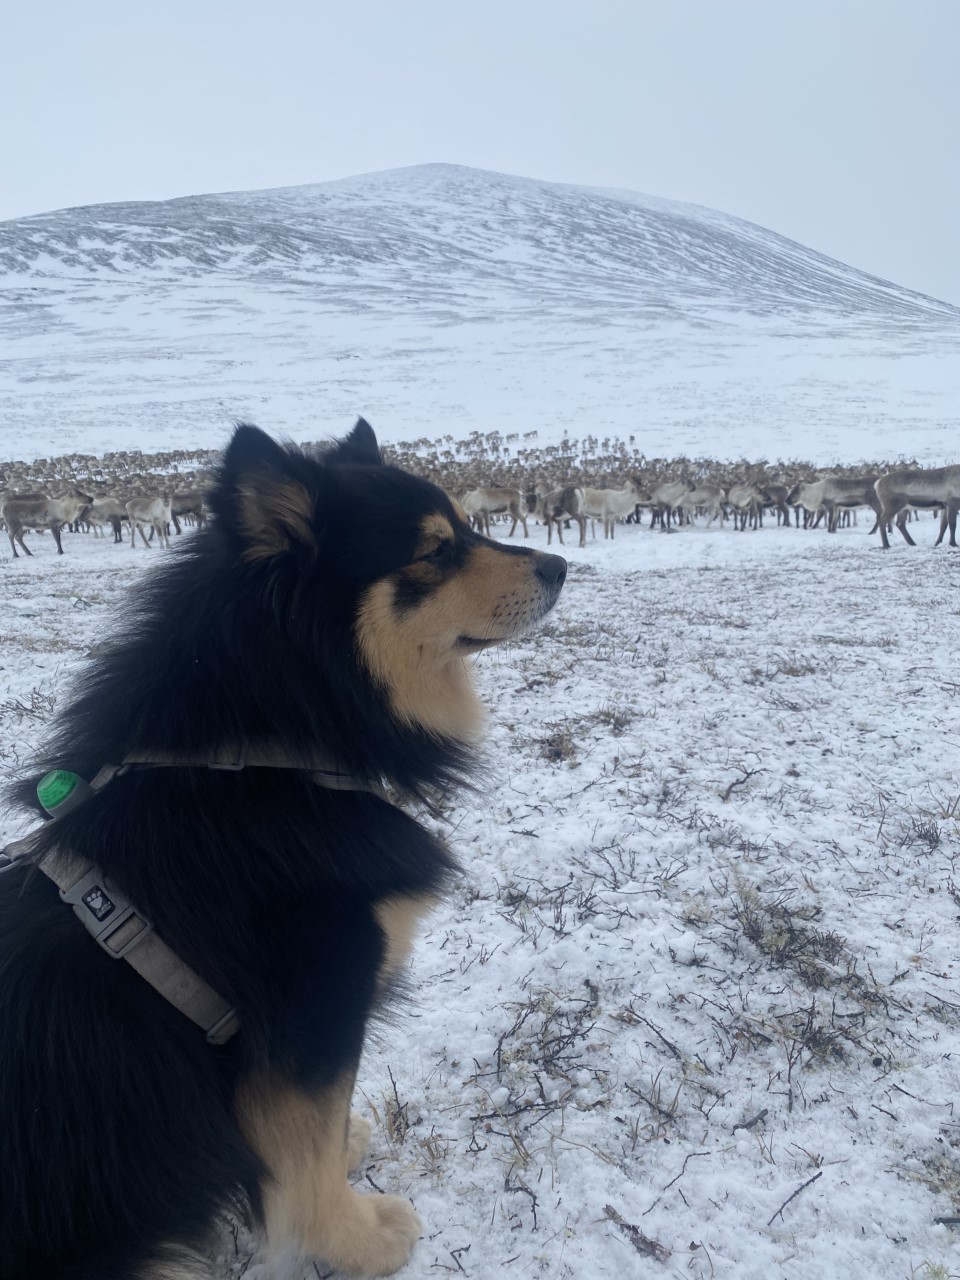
[{"x": 317, "y": 631}]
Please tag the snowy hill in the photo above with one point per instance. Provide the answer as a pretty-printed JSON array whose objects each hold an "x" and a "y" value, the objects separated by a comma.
[{"x": 441, "y": 300}]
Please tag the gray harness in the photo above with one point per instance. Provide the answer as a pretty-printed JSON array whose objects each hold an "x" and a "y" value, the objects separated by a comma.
[{"x": 123, "y": 931}]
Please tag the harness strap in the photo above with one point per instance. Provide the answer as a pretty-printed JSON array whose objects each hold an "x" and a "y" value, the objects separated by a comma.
[{"x": 123, "y": 932}]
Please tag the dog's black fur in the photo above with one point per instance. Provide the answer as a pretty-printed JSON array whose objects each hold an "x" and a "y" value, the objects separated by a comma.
[{"x": 117, "y": 1127}]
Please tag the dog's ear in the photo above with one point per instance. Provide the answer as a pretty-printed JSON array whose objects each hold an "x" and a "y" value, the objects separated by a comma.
[
  {"x": 263, "y": 496},
  {"x": 359, "y": 447}
]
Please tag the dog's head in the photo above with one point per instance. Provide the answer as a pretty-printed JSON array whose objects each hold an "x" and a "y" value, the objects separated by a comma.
[{"x": 384, "y": 559}]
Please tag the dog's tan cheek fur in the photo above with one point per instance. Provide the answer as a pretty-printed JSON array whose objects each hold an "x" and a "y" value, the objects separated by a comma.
[
  {"x": 426, "y": 680},
  {"x": 414, "y": 657}
]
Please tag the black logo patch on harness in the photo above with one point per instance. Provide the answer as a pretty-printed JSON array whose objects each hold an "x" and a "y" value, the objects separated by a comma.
[{"x": 97, "y": 902}]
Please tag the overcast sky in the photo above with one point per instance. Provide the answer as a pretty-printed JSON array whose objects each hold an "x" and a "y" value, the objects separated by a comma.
[{"x": 834, "y": 122}]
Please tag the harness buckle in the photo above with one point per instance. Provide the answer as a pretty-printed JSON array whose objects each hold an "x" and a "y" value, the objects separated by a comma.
[{"x": 105, "y": 913}]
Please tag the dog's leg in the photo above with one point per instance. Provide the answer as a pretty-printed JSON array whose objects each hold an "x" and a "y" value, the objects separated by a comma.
[
  {"x": 303, "y": 1140},
  {"x": 358, "y": 1140}
]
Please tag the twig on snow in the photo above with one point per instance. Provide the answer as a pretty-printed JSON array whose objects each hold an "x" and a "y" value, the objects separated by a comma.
[
  {"x": 643, "y": 1244},
  {"x": 738, "y": 782},
  {"x": 689, "y": 1156},
  {"x": 779, "y": 1212},
  {"x": 749, "y": 1124},
  {"x": 660, "y": 1036},
  {"x": 520, "y": 1185}
]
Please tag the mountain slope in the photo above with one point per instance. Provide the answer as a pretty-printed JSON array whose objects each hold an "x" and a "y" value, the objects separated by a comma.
[{"x": 444, "y": 299}]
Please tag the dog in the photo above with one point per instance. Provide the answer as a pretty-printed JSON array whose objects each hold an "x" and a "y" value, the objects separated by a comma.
[{"x": 309, "y": 646}]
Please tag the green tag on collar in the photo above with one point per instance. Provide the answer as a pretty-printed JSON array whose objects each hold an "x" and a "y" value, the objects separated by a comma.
[{"x": 54, "y": 789}]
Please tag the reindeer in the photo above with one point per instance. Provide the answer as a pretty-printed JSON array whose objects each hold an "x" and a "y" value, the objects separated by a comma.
[
  {"x": 481, "y": 504},
  {"x": 106, "y": 510},
  {"x": 807, "y": 496},
  {"x": 777, "y": 496},
  {"x": 560, "y": 505},
  {"x": 746, "y": 500},
  {"x": 709, "y": 497},
  {"x": 188, "y": 502},
  {"x": 665, "y": 499},
  {"x": 38, "y": 511},
  {"x": 153, "y": 511},
  {"x": 915, "y": 487},
  {"x": 831, "y": 494},
  {"x": 608, "y": 504},
  {"x": 846, "y": 493}
]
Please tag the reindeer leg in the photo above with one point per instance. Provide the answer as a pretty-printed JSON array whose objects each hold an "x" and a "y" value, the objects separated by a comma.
[
  {"x": 902, "y": 526},
  {"x": 948, "y": 518}
]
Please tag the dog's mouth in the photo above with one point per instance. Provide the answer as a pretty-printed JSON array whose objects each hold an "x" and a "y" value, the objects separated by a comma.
[{"x": 472, "y": 644}]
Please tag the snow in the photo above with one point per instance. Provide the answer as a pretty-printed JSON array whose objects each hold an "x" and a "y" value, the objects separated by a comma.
[
  {"x": 711, "y": 876},
  {"x": 442, "y": 300}
]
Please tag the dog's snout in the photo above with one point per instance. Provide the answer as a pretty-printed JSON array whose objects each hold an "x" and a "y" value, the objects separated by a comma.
[{"x": 552, "y": 570}]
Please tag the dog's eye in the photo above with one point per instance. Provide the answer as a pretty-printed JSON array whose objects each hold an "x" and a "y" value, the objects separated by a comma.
[{"x": 440, "y": 551}]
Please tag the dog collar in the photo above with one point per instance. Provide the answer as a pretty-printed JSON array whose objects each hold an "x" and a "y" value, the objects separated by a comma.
[{"x": 324, "y": 769}]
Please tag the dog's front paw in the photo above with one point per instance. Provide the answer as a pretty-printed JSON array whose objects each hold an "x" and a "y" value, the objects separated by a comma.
[
  {"x": 391, "y": 1229},
  {"x": 358, "y": 1140}
]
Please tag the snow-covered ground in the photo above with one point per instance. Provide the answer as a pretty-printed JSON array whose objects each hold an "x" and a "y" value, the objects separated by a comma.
[
  {"x": 444, "y": 300},
  {"x": 694, "y": 1006}
]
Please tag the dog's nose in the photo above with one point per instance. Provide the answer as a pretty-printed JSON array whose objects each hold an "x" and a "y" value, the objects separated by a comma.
[{"x": 552, "y": 569}]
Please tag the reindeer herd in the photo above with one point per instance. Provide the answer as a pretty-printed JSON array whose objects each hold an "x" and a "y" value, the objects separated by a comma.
[
  {"x": 892, "y": 496},
  {"x": 491, "y": 477},
  {"x": 76, "y": 510},
  {"x": 145, "y": 493}
]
